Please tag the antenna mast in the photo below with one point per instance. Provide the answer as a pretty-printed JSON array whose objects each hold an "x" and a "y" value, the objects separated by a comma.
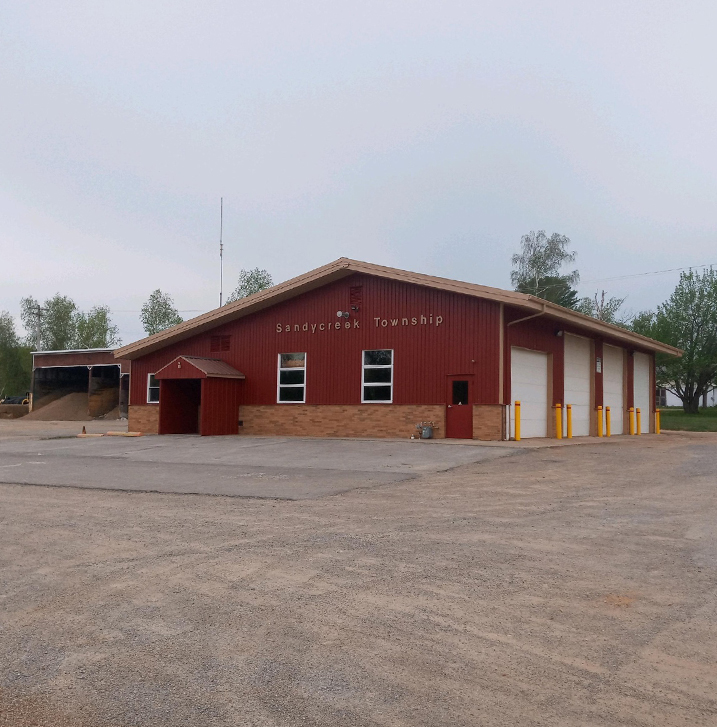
[{"x": 221, "y": 250}]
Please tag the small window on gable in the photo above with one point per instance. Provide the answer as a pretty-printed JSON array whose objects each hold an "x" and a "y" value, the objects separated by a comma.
[{"x": 219, "y": 343}]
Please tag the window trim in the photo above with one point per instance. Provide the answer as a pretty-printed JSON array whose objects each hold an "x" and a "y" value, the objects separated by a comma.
[
  {"x": 280, "y": 386},
  {"x": 149, "y": 401},
  {"x": 365, "y": 366}
]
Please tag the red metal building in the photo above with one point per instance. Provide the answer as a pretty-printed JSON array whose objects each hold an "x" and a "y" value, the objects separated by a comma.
[{"x": 354, "y": 349}]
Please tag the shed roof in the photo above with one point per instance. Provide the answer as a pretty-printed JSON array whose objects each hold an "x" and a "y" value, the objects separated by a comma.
[
  {"x": 344, "y": 267},
  {"x": 206, "y": 368}
]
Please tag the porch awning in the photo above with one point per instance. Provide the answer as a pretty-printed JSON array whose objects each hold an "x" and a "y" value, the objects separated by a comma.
[{"x": 195, "y": 367}]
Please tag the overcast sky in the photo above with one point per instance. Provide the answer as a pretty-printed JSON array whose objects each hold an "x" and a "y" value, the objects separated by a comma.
[{"x": 423, "y": 135}]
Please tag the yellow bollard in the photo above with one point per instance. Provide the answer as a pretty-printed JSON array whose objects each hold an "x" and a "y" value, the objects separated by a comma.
[
  {"x": 569, "y": 420},
  {"x": 608, "y": 430},
  {"x": 517, "y": 421},
  {"x": 639, "y": 421},
  {"x": 558, "y": 422},
  {"x": 632, "y": 420},
  {"x": 599, "y": 421},
  {"x": 657, "y": 421}
]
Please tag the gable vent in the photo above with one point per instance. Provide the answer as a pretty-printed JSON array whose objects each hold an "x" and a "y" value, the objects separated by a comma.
[
  {"x": 356, "y": 294},
  {"x": 219, "y": 343}
]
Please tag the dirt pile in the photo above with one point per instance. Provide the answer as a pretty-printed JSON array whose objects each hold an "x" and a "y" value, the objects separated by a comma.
[
  {"x": 112, "y": 414},
  {"x": 70, "y": 408}
]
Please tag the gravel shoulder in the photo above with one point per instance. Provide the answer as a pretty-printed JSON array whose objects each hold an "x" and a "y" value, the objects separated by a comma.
[{"x": 563, "y": 586}]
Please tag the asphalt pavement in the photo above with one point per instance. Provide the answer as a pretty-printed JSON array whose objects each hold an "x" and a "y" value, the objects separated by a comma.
[{"x": 266, "y": 467}]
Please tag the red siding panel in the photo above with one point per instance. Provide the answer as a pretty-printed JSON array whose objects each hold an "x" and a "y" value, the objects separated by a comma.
[
  {"x": 537, "y": 334},
  {"x": 80, "y": 358},
  {"x": 180, "y": 370},
  {"x": 460, "y": 335},
  {"x": 598, "y": 374},
  {"x": 220, "y": 406}
]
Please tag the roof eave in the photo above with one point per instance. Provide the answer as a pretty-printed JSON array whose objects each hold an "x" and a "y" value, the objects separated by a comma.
[
  {"x": 74, "y": 350},
  {"x": 251, "y": 304},
  {"x": 606, "y": 329},
  {"x": 343, "y": 267}
]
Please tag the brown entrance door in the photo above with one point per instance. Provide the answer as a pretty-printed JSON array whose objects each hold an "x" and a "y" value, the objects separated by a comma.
[{"x": 459, "y": 412}]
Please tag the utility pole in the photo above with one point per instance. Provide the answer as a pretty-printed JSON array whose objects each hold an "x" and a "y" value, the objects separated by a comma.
[
  {"x": 221, "y": 250},
  {"x": 38, "y": 330}
]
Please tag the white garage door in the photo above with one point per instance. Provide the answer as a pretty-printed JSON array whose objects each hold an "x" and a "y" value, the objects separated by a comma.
[
  {"x": 578, "y": 370},
  {"x": 612, "y": 385},
  {"x": 529, "y": 385},
  {"x": 642, "y": 389}
]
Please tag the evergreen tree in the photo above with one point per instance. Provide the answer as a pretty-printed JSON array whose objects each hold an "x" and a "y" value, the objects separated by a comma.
[{"x": 536, "y": 268}]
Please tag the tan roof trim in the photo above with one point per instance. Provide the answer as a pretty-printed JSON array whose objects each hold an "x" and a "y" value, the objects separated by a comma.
[
  {"x": 343, "y": 267},
  {"x": 608, "y": 330},
  {"x": 240, "y": 308}
]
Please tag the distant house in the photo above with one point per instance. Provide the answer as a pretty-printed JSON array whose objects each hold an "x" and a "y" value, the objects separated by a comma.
[{"x": 667, "y": 398}]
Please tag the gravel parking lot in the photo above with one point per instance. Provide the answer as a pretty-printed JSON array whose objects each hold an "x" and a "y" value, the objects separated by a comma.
[{"x": 561, "y": 586}]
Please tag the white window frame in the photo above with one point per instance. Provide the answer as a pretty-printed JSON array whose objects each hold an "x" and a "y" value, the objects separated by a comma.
[
  {"x": 365, "y": 366},
  {"x": 149, "y": 379},
  {"x": 280, "y": 386}
]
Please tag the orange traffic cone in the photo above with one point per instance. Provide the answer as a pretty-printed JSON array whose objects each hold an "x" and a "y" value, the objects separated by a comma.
[{"x": 84, "y": 431}]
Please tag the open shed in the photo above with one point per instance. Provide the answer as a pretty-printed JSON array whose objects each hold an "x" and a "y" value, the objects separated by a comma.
[{"x": 94, "y": 373}]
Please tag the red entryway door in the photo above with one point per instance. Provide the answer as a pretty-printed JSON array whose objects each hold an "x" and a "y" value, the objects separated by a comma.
[
  {"x": 180, "y": 407},
  {"x": 459, "y": 410},
  {"x": 198, "y": 396}
]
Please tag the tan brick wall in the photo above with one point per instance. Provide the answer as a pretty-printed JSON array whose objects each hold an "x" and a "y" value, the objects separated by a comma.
[
  {"x": 367, "y": 420},
  {"x": 144, "y": 418},
  {"x": 488, "y": 422}
]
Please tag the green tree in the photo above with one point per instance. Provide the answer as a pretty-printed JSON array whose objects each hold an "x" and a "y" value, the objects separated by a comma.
[
  {"x": 94, "y": 329},
  {"x": 159, "y": 313},
  {"x": 57, "y": 322},
  {"x": 250, "y": 282},
  {"x": 687, "y": 320},
  {"x": 63, "y": 326},
  {"x": 15, "y": 360},
  {"x": 602, "y": 309},
  {"x": 553, "y": 288},
  {"x": 536, "y": 268}
]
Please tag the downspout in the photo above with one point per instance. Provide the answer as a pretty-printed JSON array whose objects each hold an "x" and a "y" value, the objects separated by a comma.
[{"x": 527, "y": 318}]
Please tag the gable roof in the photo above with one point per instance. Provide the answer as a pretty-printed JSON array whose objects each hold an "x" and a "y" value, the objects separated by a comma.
[
  {"x": 343, "y": 267},
  {"x": 207, "y": 368}
]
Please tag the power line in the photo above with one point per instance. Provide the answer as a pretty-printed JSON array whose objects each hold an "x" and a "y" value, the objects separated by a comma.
[
  {"x": 652, "y": 272},
  {"x": 632, "y": 275}
]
